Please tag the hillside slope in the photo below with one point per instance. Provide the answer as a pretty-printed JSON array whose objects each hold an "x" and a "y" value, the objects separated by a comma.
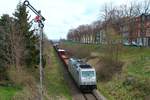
[{"x": 131, "y": 83}]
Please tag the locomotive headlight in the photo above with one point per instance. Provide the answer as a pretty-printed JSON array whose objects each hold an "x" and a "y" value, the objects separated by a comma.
[
  {"x": 92, "y": 79},
  {"x": 83, "y": 78}
]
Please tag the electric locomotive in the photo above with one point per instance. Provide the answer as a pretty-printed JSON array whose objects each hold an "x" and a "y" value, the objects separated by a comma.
[{"x": 83, "y": 74}]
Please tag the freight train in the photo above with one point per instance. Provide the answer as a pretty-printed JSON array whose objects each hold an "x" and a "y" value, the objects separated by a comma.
[{"x": 82, "y": 73}]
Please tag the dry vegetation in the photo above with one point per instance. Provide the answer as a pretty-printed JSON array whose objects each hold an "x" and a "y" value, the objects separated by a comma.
[
  {"x": 108, "y": 63},
  {"x": 24, "y": 79}
]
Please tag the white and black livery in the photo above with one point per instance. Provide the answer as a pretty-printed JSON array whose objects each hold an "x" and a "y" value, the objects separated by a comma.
[{"x": 83, "y": 74}]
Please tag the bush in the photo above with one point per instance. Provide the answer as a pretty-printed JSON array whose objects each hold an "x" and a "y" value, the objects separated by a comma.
[
  {"x": 107, "y": 68},
  {"x": 3, "y": 74}
]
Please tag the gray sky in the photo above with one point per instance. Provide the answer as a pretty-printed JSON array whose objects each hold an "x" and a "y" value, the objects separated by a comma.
[{"x": 62, "y": 15}]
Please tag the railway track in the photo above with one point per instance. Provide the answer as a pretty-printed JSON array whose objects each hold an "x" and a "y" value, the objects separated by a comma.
[
  {"x": 89, "y": 96},
  {"x": 94, "y": 95}
]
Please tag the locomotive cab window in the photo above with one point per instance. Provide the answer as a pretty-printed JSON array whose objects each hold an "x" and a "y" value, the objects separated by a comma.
[{"x": 87, "y": 73}]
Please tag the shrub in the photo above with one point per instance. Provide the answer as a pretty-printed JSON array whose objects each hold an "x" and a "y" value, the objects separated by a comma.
[{"x": 107, "y": 68}]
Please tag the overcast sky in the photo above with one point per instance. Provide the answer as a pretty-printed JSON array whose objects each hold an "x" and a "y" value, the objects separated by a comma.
[{"x": 62, "y": 15}]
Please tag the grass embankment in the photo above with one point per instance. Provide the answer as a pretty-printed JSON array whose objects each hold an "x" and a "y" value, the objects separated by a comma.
[
  {"x": 55, "y": 84},
  {"x": 132, "y": 83},
  {"x": 20, "y": 86},
  {"x": 7, "y": 92},
  {"x": 24, "y": 84}
]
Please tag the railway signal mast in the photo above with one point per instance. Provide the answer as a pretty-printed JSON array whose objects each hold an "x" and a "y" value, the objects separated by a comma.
[{"x": 40, "y": 19}]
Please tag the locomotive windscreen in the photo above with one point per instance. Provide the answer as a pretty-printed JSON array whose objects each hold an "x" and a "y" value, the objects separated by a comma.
[{"x": 87, "y": 73}]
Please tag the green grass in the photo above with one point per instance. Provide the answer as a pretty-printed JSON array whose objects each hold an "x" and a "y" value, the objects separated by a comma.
[
  {"x": 113, "y": 90},
  {"x": 54, "y": 80},
  {"x": 6, "y": 93},
  {"x": 136, "y": 67},
  {"x": 138, "y": 61}
]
